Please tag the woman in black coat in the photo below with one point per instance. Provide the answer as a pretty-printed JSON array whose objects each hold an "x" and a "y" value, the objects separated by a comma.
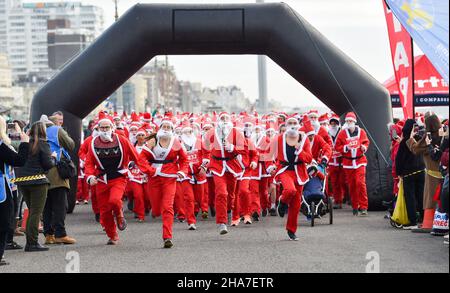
[{"x": 8, "y": 158}]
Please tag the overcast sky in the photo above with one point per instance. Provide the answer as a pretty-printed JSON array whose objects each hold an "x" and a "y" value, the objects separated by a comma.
[{"x": 357, "y": 27}]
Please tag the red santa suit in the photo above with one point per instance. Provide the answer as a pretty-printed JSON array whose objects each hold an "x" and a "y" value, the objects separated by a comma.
[
  {"x": 193, "y": 185},
  {"x": 137, "y": 183},
  {"x": 336, "y": 176},
  {"x": 108, "y": 162},
  {"x": 324, "y": 134},
  {"x": 168, "y": 162},
  {"x": 82, "y": 154},
  {"x": 292, "y": 173},
  {"x": 354, "y": 163},
  {"x": 260, "y": 178},
  {"x": 225, "y": 168},
  {"x": 242, "y": 202}
]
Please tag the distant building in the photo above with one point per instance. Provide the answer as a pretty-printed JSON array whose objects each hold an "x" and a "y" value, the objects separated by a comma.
[
  {"x": 6, "y": 93},
  {"x": 27, "y": 31},
  {"x": 131, "y": 96}
]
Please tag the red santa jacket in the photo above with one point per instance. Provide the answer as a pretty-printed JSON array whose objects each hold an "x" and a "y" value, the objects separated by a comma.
[
  {"x": 324, "y": 134},
  {"x": 94, "y": 167},
  {"x": 222, "y": 160},
  {"x": 245, "y": 159},
  {"x": 82, "y": 154},
  {"x": 167, "y": 162},
  {"x": 350, "y": 148},
  {"x": 196, "y": 157},
  {"x": 266, "y": 158},
  {"x": 303, "y": 154},
  {"x": 320, "y": 149},
  {"x": 135, "y": 174},
  {"x": 336, "y": 157}
]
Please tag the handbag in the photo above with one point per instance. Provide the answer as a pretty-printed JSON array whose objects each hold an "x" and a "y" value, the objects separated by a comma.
[
  {"x": 66, "y": 168},
  {"x": 400, "y": 215}
]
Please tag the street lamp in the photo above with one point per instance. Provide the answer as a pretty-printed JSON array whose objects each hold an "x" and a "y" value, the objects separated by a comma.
[{"x": 116, "y": 16}]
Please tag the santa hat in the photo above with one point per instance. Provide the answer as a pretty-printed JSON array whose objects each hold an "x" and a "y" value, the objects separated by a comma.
[
  {"x": 323, "y": 118},
  {"x": 207, "y": 122},
  {"x": 147, "y": 117},
  {"x": 224, "y": 114},
  {"x": 116, "y": 116},
  {"x": 292, "y": 117},
  {"x": 307, "y": 127},
  {"x": 135, "y": 121},
  {"x": 186, "y": 125},
  {"x": 270, "y": 125},
  {"x": 258, "y": 124},
  {"x": 167, "y": 120},
  {"x": 103, "y": 117},
  {"x": 248, "y": 120},
  {"x": 351, "y": 116},
  {"x": 313, "y": 113},
  {"x": 142, "y": 130},
  {"x": 335, "y": 118}
]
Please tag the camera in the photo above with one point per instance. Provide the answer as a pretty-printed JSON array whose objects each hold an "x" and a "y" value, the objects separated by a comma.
[{"x": 420, "y": 132}]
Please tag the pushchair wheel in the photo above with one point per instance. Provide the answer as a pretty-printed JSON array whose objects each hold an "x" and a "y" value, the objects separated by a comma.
[{"x": 313, "y": 213}]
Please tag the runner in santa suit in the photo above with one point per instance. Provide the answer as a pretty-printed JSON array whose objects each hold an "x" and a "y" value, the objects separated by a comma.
[
  {"x": 352, "y": 143},
  {"x": 320, "y": 150},
  {"x": 313, "y": 115},
  {"x": 120, "y": 125},
  {"x": 209, "y": 186},
  {"x": 265, "y": 157},
  {"x": 107, "y": 162},
  {"x": 168, "y": 157},
  {"x": 336, "y": 176},
  {"x": 259, "y": 185},
  {"x": 248, "y": 161},
  {"x": 137, "y": 181},
  {"x": 293, "y": 154},
  {"x": 192, "y": 185},
  {"x": 224, "y": 143},
  {"x": 82, "y": 154}
]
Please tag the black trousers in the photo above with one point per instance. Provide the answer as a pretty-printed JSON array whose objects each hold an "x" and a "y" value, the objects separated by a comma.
[
  {"x": 444, "y": 195},
  {"x": 12, "y": 227},
  {"x": 55, "y": 212},
  {"x": 6, "y": 213},
  {"x": 3, "y": 236},
  {"x": 413, "y": 187}
]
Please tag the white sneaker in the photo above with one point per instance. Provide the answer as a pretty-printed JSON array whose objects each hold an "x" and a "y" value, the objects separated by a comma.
[
  {"x": 192, "y": 227},
  {"x": 77, "y": 202},
  {"x": 410, "y": 227},
  {"x": 223, "y": 229},
  {"x": 86, "y": 202},
  {"x": 446, "y": 239}
]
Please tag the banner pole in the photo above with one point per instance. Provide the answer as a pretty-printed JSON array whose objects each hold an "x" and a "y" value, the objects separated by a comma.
[{"x": 413, "y": 80}]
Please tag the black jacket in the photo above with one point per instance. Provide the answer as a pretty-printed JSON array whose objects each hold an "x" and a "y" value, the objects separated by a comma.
[
  {"x": 405, "y": 161},
  {"x": 37, "y": 164},
  {"x": 11, "y": 158}
]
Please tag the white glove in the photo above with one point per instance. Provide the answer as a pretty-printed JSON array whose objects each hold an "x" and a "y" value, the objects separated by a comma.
[
  {"x": 229, "y": 148},
  {"x": 253, "y": 165}
]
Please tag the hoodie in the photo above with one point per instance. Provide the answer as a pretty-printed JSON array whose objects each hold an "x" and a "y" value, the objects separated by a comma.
[{"x": 405, "y": 161}]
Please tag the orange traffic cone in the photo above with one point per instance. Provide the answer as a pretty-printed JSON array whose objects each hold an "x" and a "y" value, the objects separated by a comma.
[{"x": 23, "y": 227}]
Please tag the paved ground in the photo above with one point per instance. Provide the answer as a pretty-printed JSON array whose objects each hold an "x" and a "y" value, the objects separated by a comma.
[{"x": 262, "y": 247}]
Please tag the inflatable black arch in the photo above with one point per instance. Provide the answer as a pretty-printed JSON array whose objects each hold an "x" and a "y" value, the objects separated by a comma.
[{"x": 275, "y": 30}]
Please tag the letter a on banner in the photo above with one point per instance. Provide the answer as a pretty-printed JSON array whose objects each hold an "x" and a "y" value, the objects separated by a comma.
[{"x": 403, "y": 60}]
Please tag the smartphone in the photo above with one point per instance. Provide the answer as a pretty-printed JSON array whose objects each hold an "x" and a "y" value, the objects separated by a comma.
[
  {"x": 11, "y": 126},
  {"x": 429, "y": 135}
]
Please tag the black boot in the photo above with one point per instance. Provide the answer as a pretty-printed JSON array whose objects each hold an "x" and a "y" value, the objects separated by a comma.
[
  {"x": 35, "y": 247},
  {"x": 213, "y": 211},
  {"x": 13, "y": 246},
  {"x": 97, "y": 218}
]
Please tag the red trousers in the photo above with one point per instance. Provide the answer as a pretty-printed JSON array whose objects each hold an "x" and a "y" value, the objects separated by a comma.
[
  {"x": 201, "y": 200},
  {"x": 162, "y": 195},
  {"x": 95, "y": 207},
  {"x": 82, "y": 189},
  {"x": 336, "y": 179},
  {"x": 178, "y": 204},
  {"x": 109, "y": 197},
  {"x": 242, "y": 199},
  {"x": 192, "y": 195},
  {"x": 136, "y": 192},
  {"x": 224, "y": 193},
  {"x": 291, "y": 196},
  {"x": 356, "y": 182},
  {"x": 259, "y": 190}
]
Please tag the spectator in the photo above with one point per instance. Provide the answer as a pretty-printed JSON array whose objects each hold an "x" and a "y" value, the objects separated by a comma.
[
  {"x": 419, "y": 145},
  {"x": 33, "y": 183},
  {"x": 59, "y": 118},
  {"x": 410, "y": 168},
  {"x": 88, "y": 131},
  {"x": 13, "y": 159},
  {"x": 56, "y": 206}
]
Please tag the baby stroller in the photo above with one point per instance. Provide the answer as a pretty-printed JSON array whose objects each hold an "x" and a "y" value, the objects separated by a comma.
[{"x": 315, "y": 203}]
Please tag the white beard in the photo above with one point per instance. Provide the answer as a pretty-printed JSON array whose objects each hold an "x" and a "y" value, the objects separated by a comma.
[
  {"x": 256, "y": 137},
  {"x": 333, "y": 131},
  {"x": 95, "y": 133},
  {"x": 132, "y": 138},
  {"x": 164, "y": 133},
  {"x": 189, "y": 140},
  {"x": 316, "y": 126},
  {"x": 106, "y": 136}
]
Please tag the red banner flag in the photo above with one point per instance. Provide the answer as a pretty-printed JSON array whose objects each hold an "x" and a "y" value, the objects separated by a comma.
[{"x": 402, "y": 58}]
